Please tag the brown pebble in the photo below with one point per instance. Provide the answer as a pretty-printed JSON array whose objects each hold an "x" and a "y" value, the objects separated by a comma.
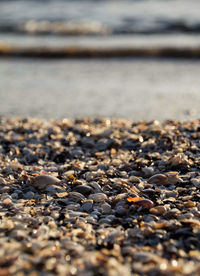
[
  {"x": 6, "y": 201},
  {"x": 144, "y": 203},
  {"x": 158, "y": 179},
  {"x": 158, "y": 210},
  {"x": 189, "y": 204}
]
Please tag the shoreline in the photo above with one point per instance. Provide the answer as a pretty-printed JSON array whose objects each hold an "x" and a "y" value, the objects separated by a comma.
[
  {"x": 174, "y": 46},
  {"x": 99, "y": 196}
]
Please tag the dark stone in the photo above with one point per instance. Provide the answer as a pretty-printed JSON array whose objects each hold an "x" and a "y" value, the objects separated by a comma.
[{"x": 83, "y": 189}]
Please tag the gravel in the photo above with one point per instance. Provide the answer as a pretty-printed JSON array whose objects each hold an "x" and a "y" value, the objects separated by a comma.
[{"x": 99, "y": 197}]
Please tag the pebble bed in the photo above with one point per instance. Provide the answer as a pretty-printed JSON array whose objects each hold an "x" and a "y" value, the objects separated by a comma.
[{"x": 99, "y": 197}]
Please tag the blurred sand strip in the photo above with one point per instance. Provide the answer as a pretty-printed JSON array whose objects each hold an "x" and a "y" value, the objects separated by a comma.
[{"x": 117, "y": 46}]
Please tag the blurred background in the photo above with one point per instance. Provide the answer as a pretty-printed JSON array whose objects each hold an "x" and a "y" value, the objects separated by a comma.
[{"x": 136, "y": 59}]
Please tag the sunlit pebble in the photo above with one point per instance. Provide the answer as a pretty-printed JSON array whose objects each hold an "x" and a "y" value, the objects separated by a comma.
[
  {"x": 7, "y": 201},
  {"x": 73, "y": 270},
  {"x": 2, "y": 181},
  {"x": 40, "y": 182},
  {"x": 174, "y": 263},
  {"x": 163, "y": 266},
  {"x": 158, "y": 210},
  {"x": 68, "y": 258}
]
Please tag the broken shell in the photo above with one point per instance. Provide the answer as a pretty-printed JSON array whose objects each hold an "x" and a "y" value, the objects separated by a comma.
[
  {"x": 158, "y": 179},
  {"x": 133, "y": 199},
  {"x": 40, "y": 182},
  {"x": 144, "y": 203}
]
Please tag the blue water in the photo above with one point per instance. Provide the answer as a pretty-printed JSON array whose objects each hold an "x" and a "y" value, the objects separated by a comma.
[{"x": 99, "y": 17}]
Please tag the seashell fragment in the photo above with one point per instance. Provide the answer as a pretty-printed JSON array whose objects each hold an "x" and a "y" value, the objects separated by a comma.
[
  {"x": 40, "y": 182},
  {"x": 158, "y": 179},
  {"x": 133, "y": 199},
  {"x": 144, "y": 203}
]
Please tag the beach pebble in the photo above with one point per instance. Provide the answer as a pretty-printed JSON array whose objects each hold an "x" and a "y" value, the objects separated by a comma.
[
  {"x": 106, "y": 208},
  {"x": 134, "y": 179},
  {"x": 148, "y": 171},
  {"x": 87, "y": 206},
  {"x": 7, "y": 201},
  {"x": 2, "y": 181},
  {"x": 29, "y": 195},
  {"x": 77, "y": 197},
  {"x": 83, "y": 189},
  {"x": 121, "y": 211},
  {"x": 98, "y": 197},
  {"x": 144, "y": 203},
  {"x": 41, "y": 182},
  {"x": 189, "y": 204},
  {"x": 158, "y": 179},
  {"x": 158, "y": 210}
]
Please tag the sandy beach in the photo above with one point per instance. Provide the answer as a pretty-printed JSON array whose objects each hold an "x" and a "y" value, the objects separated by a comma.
[{"x": 99, "y": 138}]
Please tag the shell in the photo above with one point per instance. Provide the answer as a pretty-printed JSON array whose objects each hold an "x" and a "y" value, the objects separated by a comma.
[
  {"x": 40, "y": 182},
  {"x": 144, "y": 203},
  {"x": 158, "y": 179},
  {"x": 133, "y": 199}
]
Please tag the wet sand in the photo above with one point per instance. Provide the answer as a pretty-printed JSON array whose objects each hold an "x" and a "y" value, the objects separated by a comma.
[{"x": 139, "y": 89}]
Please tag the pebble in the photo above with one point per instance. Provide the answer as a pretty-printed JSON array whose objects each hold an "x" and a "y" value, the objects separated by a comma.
[
  {"x": 2, "y": 181},
  {"x": 144, "y": 203},
  {"x": 29, "y": 195},
  {"x": 106, "y": 208},
  {"x": 98, "y": 197},
  {"x": 158, "y": 210},
  {"x": 95, "y": 186},
  {"x": 83, "y": 189},
  {"x": 77, "y": 197},
  {"x": 158, "y": 179},
  {"x": 189, "y": 204},
  {"x": 7, "y": 201},
  {"x": 121, "y": 211},
  {"x": 41, "y": 182},
  {"x": 87, "y": 206}
]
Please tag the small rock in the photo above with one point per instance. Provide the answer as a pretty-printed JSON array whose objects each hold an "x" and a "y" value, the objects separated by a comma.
[
  {"x": 29, "y": 195},
  {"x": 83, "y": 189},
  {"x": 2, "y": 181},
  {"x": 148, "y": 171},
  {"x": 7, "y": 201},
  {"x": 144, "y": 203},
  {"x": 121, "y": 211},
  {"x": 40, "y": 182},
  {"x": 189, "y": 204},
  {"x": 106, "y": 208},
  {"x": 98, "y": 197},
  {"x": 87, "y": 206},
  {"x": 158, "y": 210},
  {"x": 76, "y": 196},
  {"x": 158, "y": 179}
]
